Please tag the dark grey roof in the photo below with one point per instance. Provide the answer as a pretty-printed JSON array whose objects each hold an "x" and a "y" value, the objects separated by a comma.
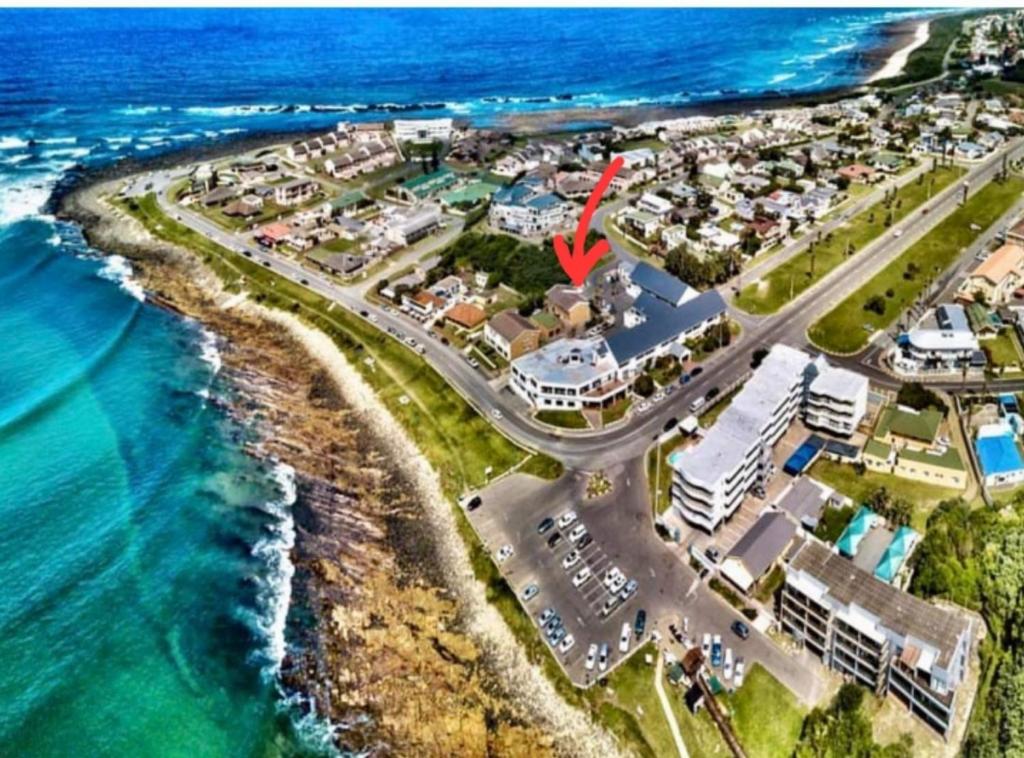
[
  {"x": 764, "y": 543},
  {"x": 659, "y": 283},
  {"x": 663, "y": 323},
  {"x": 804, "y": 501}
]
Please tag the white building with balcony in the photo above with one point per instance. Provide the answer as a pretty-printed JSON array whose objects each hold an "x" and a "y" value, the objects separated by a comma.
[{"x": 836, "y": 401}]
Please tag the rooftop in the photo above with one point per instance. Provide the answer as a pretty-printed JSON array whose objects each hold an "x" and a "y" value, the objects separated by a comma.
[
  {"x": 1006, "y": 259},
  {"x": 916, "y": 620},
  {"x": 839, "y": 383},
  {"x": 661, "y": 284},
  {"x": 998, "y": 454},
  {"x": 949, "y": 458},
  {"x": 804, "y": 500},
  {"x": 905, "y": 422},
  {"x": 568, "y": 362},
  {"x": 763, "y": 543},
  {"x": 662, "y": 323}
]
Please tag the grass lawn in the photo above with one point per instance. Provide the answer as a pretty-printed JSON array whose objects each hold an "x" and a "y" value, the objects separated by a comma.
[
  {"x": 710, "y": 416},
  {"x": 1004, "y": 349},
  {"x": 563, "y": 419},
  {"x": 842, "y": 478},
  {"x": 611, "y": 230},
  {"x": 339, "y": 245},
  {"x": 615, "y": 412},
  {"x": 790, "y": 279},
  {"x": 700, "y": 734},
  {"x": 660, "y": 479},
  {"x": 766, "y": 716},
  {"x": 842, "y": 330},
  {"x": 632, "y": 690}
]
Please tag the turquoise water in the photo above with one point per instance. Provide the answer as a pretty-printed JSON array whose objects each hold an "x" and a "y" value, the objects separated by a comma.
[{"x": 143, "y": 578}]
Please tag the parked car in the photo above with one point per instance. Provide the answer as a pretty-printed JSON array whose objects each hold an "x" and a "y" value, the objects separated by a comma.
[
  {"x": 578, "y": 531},
  {"x": 610, "y": 576},
  {"x": 705, "y": 646},
  {"x": 629, "y": 590},
  {"x": 557, "y": 636},
  {"x": 727, "y": 668},
  {"x": 640, "y": 624},
  {"x": 712, "y": 393},
  {"x": 713, "y": 553},
  {"x": 546, "y": 525},
  {"x": 624, "y": 638},
  {"x": 545, "y": 615},
  {"x": 554, "y": 539},
  {"x": 696, "y": 371},
  {"x": 581, "y": 577},
  {"x": 697, "y": 404},
  {"x": 592, "y": 657},
  {"x": 566, "y": 644},
  {"x": 530, "y": 592},
  {"x": 741, "y": 630},
  {"x": 716, "y": 650},
  {"x": 506, "y": 552},
  {"x": 684, "y": 379},
  {"x": 474, "y": 503},
  {"x": 567, "y": 518},
  {"x": 602, "y": 657},
  {"x": 585, "y": 540},
  {"x": 571, "y": 560},
  {"x": 670, "y": 424},
  {"x": 737, "y": 677},
  {"x": 617, "y": 584},
  {"x": 495, "y": 413},
  {"x": 609, "y": 605}
]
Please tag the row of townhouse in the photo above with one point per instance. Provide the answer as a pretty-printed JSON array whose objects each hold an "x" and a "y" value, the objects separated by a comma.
[{"x": 711, "y": 478}]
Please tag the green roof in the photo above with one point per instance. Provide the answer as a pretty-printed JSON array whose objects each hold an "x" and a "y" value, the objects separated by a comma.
[
  {"x": 470, "y": 193},
  {"x": 353, "y": 197},
  {"x": 949, "y": 459},
  {"x": 545, "y": 319},
  {"x": 877, "y": 449},
  {"x": 918, "y": 425},
  {"x": 427, "y": 184}
]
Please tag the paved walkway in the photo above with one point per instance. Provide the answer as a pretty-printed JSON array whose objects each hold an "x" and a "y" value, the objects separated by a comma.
[{"x": 670, "y": 717}]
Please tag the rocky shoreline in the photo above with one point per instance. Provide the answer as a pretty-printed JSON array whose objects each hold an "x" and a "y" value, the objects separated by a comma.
[{"x": 398, "y": 646}]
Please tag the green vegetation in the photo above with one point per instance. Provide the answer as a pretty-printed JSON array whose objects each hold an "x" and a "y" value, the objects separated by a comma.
[
  {"x": 666, "y": 370},
  {"x": 863, "y": 486},
  {"x": 700, "y": 734},
  {"x": 833, "y": 521},
  {"x": 563, "y": 419},
  {"x": 528, "y": 269},
  {"x": 765, "y": 715},
  {"x": 975, "y": 558},
  {"x": 660, "y": 479},
  {"x": 915, "y": 395},
  {"x": 710, "y": 416},
  {"x": 842, "y": 330},
  {"x": 842, "y": 730},
  {"x": 615, "y": 412},
  {"x": 1003, "y": 351},
  {"x": 788, "y": 280},
  {"x": 717, "y": 337}
]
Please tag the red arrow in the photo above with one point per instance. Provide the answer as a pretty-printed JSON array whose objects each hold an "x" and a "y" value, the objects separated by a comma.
[{"x": 578, "y": 263}]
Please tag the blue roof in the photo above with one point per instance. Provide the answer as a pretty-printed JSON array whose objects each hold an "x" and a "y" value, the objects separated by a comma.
[
  {"x": 520, "y": 193},
  {"x": 669, "y": 288},
  {"x": 998, "y": 454},
  {"x": 803, "y": 455},
  {"x": 895, "y": 554},
  {"x": 544, "y": 201},
  {"x": 663, "y": 322},
  {"x": 855, "y": 531},
  {"x": 952, "y": 317}
]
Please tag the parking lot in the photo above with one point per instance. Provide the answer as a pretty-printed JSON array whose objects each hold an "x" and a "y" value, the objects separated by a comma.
[{"x": 534, "y": 561}]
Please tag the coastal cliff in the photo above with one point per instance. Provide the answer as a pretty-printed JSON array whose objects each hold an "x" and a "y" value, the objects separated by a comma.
[{"x": 383, "y": 645}]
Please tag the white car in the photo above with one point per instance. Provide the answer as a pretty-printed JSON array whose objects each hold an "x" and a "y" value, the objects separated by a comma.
[
  {"x": 566, "y": 644},
  {"x": 581, "y": 577},
  {"x": 737, "y": 677},
  {"x": 705, "y": 646},
  {"x": 610, "y": 576},
  {"x": 727, "y": 668},
  {"x": 624, "y": 638},
  {"x": 592, "y": 657},
  {"x": 495, "y": 413},
  {"x": 567, "y": 518},
  {"x": 570, "y": 560},
  {"x": 506, "y": 552},
  {"x": 617, "y": 584},
  {"x": 602, "y": 660},
  {"x": 578, "y": 531}
]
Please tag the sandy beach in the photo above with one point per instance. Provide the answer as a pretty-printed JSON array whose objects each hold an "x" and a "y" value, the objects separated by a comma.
[{"x": 898, "y": 58}]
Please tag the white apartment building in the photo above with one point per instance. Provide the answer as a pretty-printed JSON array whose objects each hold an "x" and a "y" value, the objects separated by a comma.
[
  {"x": 836, "y": 400},
  {"x": 526, "y": 208},
  {"x": 569, "y": 374},
  {"x": 711, "y": 478},
  {"x": 423, "y": 129},
  {"x": 942, "y": 342}
]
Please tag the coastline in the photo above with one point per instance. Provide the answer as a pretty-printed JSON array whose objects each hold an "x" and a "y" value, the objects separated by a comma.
[
  {"x": 905, "y": 38},
  {"x": 402, "y": 636}
]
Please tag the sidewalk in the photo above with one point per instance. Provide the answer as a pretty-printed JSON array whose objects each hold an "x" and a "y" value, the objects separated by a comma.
[{"x": 673, "y": 725}]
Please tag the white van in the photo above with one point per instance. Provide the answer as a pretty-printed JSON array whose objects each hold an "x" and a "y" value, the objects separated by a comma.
[{"x": 697, "y": 404}]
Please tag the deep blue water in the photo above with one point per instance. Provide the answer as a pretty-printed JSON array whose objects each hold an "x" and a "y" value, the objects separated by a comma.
[{"x": 143, "y": 555}]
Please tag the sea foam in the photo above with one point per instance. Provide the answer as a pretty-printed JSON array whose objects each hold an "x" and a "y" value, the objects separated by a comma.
[{"x": 116, "y": 268}]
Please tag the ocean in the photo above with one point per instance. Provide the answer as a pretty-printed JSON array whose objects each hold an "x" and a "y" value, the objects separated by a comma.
[{"x": 144, "y": 555}]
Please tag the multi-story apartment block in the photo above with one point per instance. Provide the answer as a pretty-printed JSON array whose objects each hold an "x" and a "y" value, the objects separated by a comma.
[
  {"x": 836, "y": 401},
  {"x": 527, "y": 208},
  {"x": 877, "y": 635}
]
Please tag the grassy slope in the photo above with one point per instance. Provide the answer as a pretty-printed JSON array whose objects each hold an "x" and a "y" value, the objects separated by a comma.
[
  {"x": 926, "y": 61},
  {"x": 766, "y": 716},
  {"x": 841, "y": 330},
  {"x": 359, "y": 340},
  {"x": 773, "y": 291},
  {"x": 563, "y": 419}
]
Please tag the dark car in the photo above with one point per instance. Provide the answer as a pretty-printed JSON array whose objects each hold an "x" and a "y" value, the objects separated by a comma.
[
  {"x": 554, "y": 539},
  {"x": 670, "y": 424},
  {"x": 696, "y": 371},
  {"x": 758, "y": 357},
  {"x": 684, "y": 379},
  {"x": 742, "y": 630},
  {"x": 713, "y": 553},
  {"x": 545, "y": 525},
  {"x": 640, "y": 623},
  {"x": 304, "y": 282},
  {"x": 583, "y": 541},
  {"x": 712, "y": 393},
  {"x": 475, "y": 503}
]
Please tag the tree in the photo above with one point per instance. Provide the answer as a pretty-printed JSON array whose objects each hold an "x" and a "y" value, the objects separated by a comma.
[
  {"x": 644, "y": 385},
  {"x": 875, "y": 304}
]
